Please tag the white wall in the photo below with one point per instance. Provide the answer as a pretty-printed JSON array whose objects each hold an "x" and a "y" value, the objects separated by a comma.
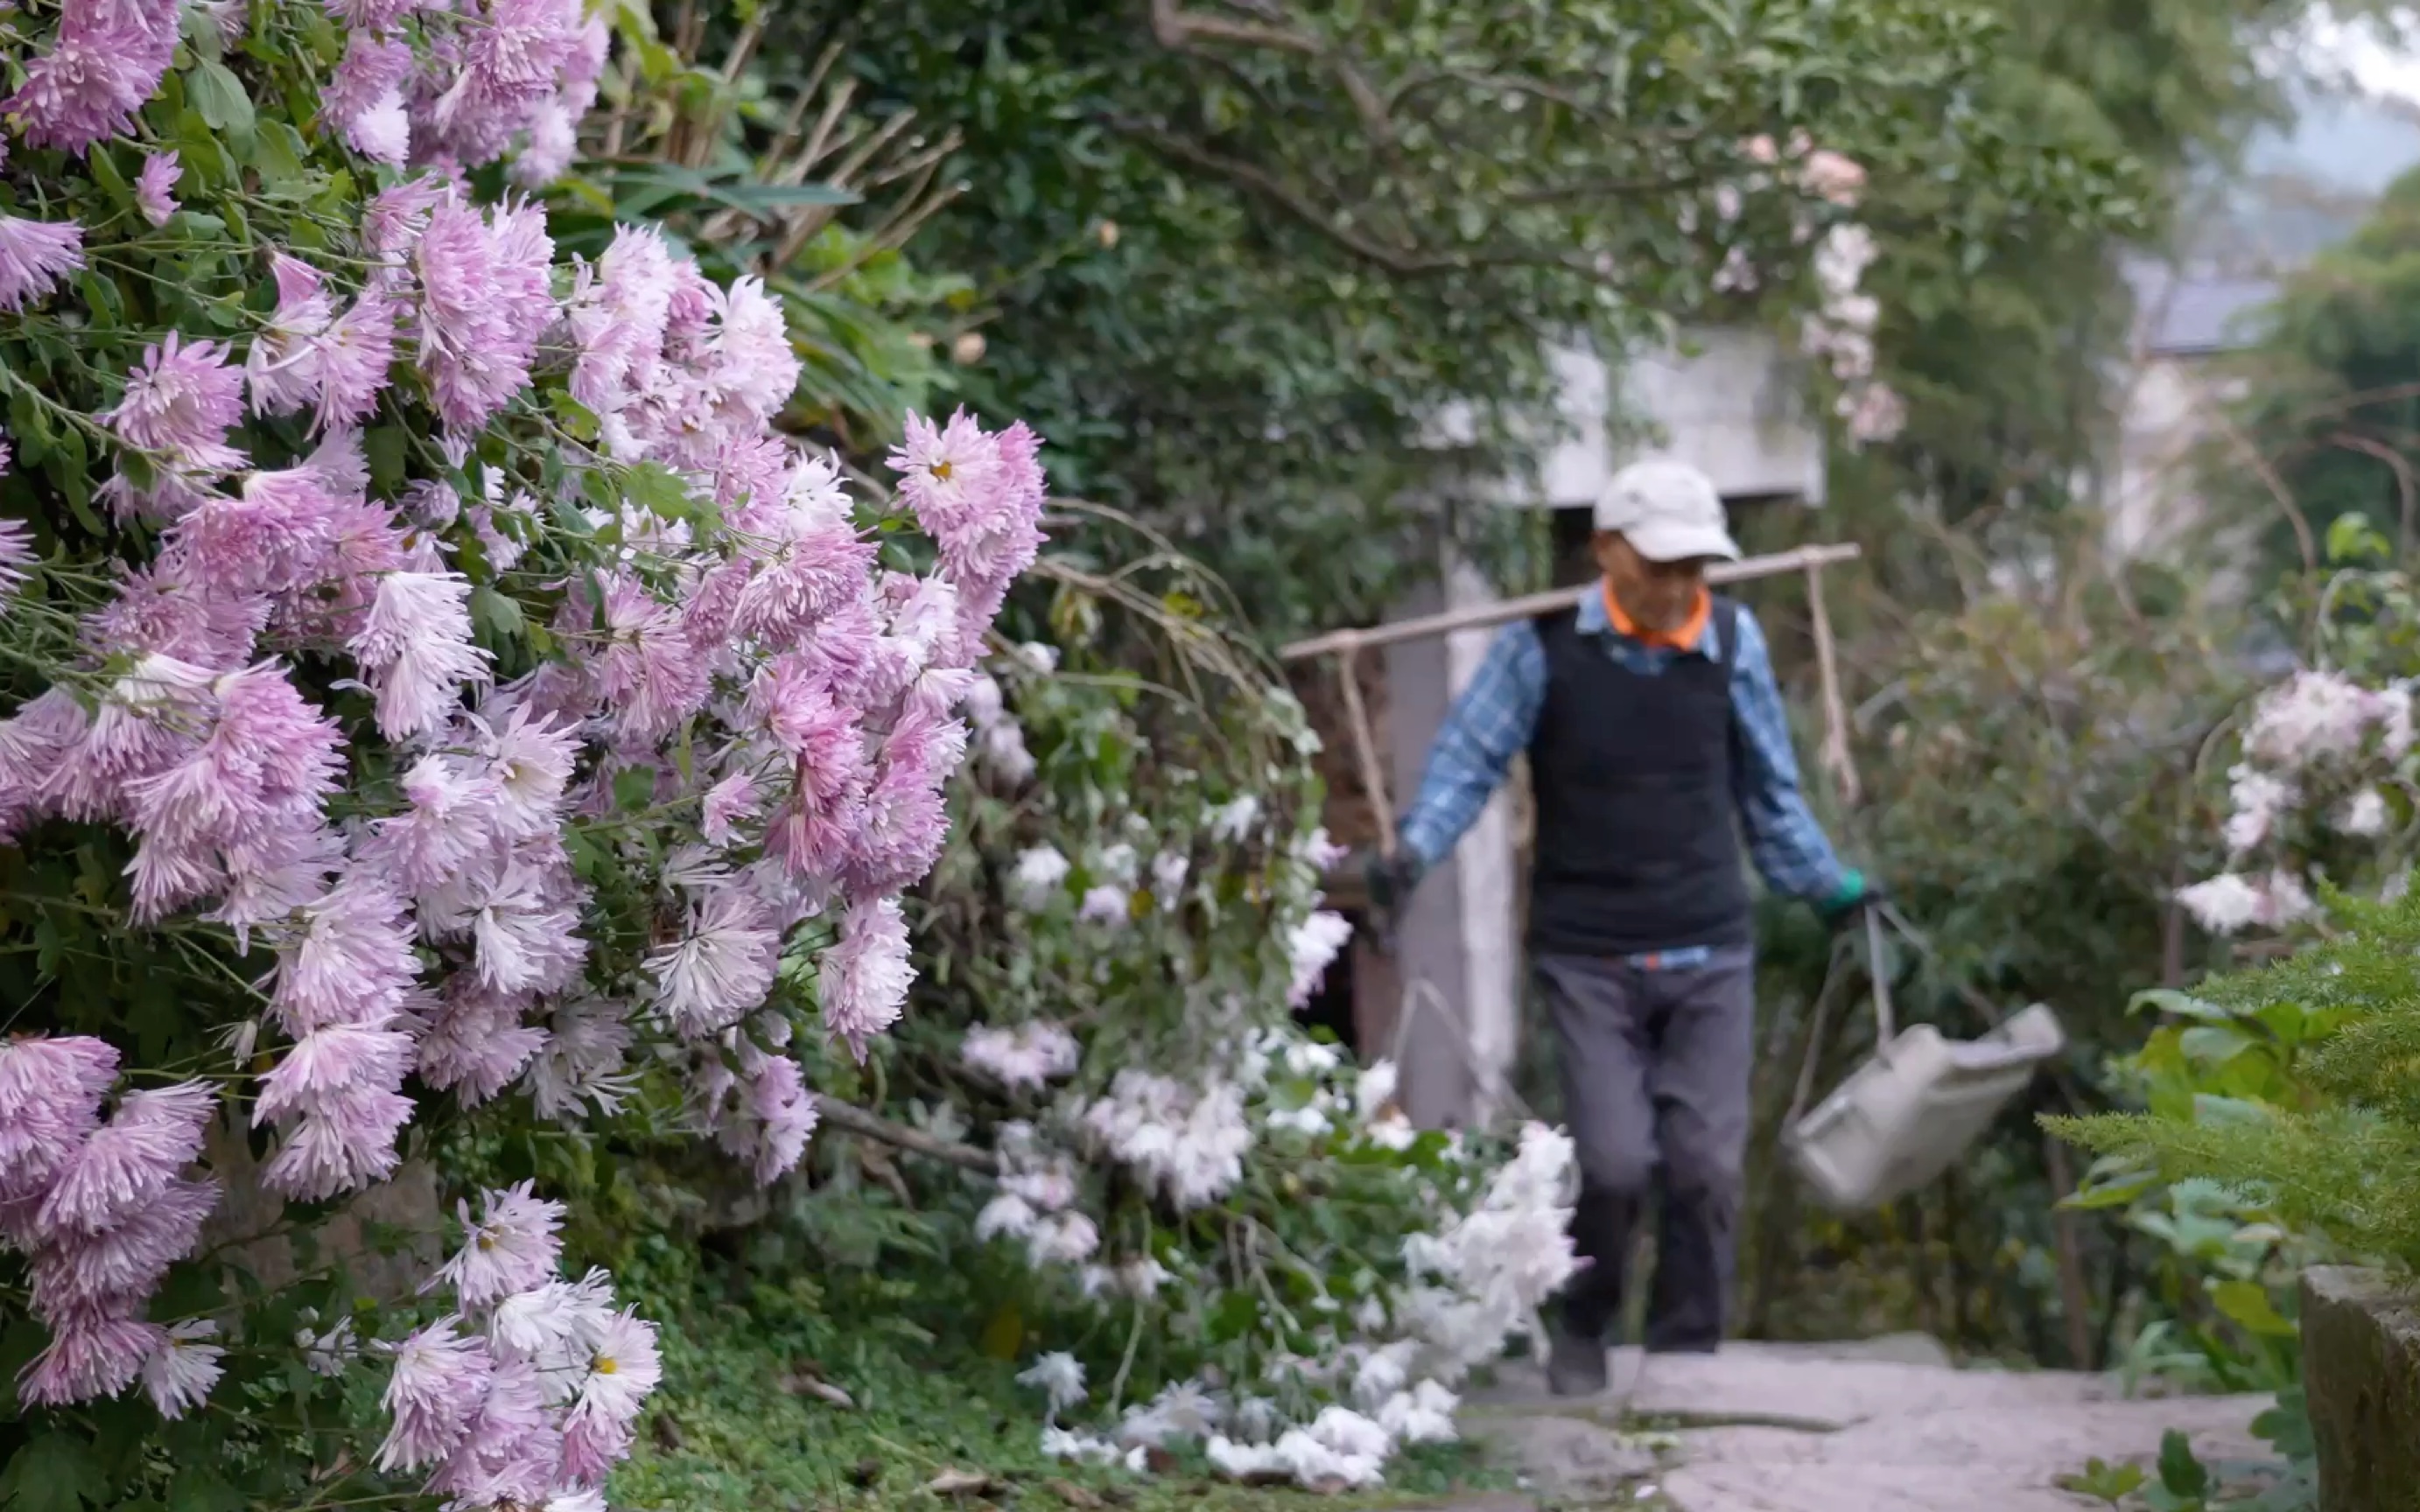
[{"x": 1735, "y": 407}]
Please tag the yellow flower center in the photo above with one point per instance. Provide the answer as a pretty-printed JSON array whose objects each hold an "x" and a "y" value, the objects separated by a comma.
[
  {"x": 941, "y": 470},
  {"x": 605, "y": 1366}
]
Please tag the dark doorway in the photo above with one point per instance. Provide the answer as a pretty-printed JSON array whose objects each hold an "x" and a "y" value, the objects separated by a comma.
[{"x": 1331, "y": 1002}]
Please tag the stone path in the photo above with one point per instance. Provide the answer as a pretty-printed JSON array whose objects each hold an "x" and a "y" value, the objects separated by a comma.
[{"x": 1889, "y": 1425}]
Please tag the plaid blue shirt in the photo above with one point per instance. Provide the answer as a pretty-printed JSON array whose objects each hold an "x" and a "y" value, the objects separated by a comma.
[{"x": 1493, "y": 719}]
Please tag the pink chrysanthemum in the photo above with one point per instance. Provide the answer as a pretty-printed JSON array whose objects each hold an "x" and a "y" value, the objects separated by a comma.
[
  {"x": 87, "y": 87},
  {"x": 95, "y": 1274},
  {"x": 16, "y": 551},
  {"x": 155, "y": 187},
  {"x": 864, "y": 980},
  {"x": 147, "y": 719},
  {"x": 623, "y": 1370},
  {"x": 647, "y": 667},
  {"x": 351, "y": 962},
  {"x": 364, "y": 99},
  {"x": 257, "y": 780},
  {"x": 158, "y": 610},
  {"x": 416, "y": 650},
  {"x": 440, "y": 1378},
  {"x": 128, "y": 1161},
  {"x": 394, "y": 219},
  {"x": 34, "y": 257},
  {"x": 616, "y": 316},
  {"x": 179, "y": 403},
  {"x": 477, "y": 1043},
  {"x": 327, "y": 1062},
  {"x": 904, "y": 819},
  {"x": 345, "y": 1143},
  {"x": 513, "y": 1247},
  {"x": 721, "y": 968},
  {"x": 277, "y": 533},
  {"x": 485, "y": 300},
  {"x": 280, "y": 366},
  {"x": 783, "y": 1115},
  {"x": 88, "y": 1357},
  {"x": 452, "y": 822},
  {"x": 353, "y": 357},
  {"x": 730, "y": 800},
  {"x": 512, "y": 1455},
  {"x": 34, "y": 745},
  {"x": 51, "y": 1088},
  {"x": 531, "y": 760}
]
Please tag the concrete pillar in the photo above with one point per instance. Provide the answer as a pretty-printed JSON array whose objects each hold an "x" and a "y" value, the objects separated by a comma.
[
  {"x": 1489, "y": 914},
  {"x": 1458, "y": 960},
  {"x": 1434, "y": 1087}
]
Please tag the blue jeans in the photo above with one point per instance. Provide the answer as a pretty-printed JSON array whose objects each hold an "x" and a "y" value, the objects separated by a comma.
[{"x": 1654, "y": 1065}]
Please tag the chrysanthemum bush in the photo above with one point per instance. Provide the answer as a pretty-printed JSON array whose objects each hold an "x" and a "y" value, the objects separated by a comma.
[
  {"x": 437, "y": 695},
  {"x": 2321, "y": 791},
  {"x": 1223, "y": 1237}
]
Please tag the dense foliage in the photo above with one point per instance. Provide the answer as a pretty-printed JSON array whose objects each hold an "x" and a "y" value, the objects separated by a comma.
[
  {"x": 1241, "y": 261},
  {"x": 2334, "y": 416}
]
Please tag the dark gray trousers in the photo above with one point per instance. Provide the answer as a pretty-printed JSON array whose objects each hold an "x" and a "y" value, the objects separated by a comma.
[{"x": 1656, "y": 1071}]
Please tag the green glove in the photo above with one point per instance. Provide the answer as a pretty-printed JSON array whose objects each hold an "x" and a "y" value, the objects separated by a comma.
[{"x": 1856, "y": 893}]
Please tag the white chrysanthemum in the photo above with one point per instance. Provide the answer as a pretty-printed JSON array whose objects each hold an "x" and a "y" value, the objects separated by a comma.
[
  {"x": 1036, "y": 878},
  {"x": 1060, "y": 1378}
]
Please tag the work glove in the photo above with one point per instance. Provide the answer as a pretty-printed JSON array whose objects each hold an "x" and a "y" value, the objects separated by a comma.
[
  {"x": 1391, "y": 882},
  {"x": 1847, "y": 906}
]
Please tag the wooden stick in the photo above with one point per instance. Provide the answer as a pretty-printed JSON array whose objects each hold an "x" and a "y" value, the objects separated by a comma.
[
  {"x": 1837, "y": 759},
  {"x": 851, "y": 1118},
  {"x": 1482, "y": 616},
  {"x": 1365, "y": 749}
]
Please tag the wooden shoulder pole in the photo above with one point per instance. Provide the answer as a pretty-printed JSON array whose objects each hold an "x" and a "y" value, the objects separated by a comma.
[
  {"x": 1836, "y": 756},
  {"x": 1365, "y": 747}
]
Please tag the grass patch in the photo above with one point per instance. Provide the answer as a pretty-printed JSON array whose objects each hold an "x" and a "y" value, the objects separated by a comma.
[{"x": 738, "y": 1424}]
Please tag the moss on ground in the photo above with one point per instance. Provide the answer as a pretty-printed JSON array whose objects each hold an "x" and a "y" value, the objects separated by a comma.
[{"x": 738, "y": 1424}]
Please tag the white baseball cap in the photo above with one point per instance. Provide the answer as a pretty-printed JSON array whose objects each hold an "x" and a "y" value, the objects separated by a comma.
[{"x": 1667, "y": 511}]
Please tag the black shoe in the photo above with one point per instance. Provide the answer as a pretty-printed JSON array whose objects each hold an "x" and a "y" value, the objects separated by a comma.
[{"x": 1577, "y": 1366}]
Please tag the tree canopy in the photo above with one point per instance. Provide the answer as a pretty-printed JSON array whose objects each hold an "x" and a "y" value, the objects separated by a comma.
[{"x": 1237, "y": 258}]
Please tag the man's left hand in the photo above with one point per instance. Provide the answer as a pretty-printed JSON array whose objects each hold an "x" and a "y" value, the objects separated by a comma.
[{"x": 1857, "y": 893}]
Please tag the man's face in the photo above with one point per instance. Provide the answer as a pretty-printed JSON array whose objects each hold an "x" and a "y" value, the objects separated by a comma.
[{"x": 1658, "y": 595}]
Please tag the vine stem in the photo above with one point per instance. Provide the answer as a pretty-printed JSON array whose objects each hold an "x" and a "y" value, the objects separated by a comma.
[{"x": 1126, "y": 1363}]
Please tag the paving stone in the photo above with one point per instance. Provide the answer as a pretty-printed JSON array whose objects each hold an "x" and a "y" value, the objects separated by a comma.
[{"x": 1798, "y": 1428}]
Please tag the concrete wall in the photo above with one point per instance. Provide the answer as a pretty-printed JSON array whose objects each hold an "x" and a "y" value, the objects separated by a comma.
[{"x": 1735, "y": 407}]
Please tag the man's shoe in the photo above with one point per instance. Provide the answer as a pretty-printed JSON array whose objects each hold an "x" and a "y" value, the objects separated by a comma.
[{"x": 1577, "y": 1366}]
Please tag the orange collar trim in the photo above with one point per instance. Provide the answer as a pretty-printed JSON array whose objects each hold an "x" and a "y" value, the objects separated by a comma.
[{"x": 1682, "y": 638}]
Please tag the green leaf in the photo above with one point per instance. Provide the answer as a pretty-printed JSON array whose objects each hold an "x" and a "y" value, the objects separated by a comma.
[
  {"x": 53, "y": 1473},
  {"x": 20, "y": 1342},
  {"x": 498, "y": 613},
  {"x": 634, "y": 790},
  {"x": 221, "y": 97},
  {"x": 2248, "y": 1304},
  {"x": 280, "y": 154},
  {"x": 2185, "y": 1005},
  {"x": 385, "y": 449},
  {"x": 653, "y": 488},
  {"x": 2182, "y": 1472},
  {"x": 200, "y": 1489}
]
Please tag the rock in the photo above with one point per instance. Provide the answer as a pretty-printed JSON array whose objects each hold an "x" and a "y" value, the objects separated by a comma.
[
  {"x": 1565, "y": 1457},
  {"x": 2360, "y": 1371}
]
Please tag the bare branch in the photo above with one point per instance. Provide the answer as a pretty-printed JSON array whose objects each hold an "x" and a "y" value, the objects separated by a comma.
[
  {"x": 1177, "y": 29},
  {"x": 1403, "y": 262}
]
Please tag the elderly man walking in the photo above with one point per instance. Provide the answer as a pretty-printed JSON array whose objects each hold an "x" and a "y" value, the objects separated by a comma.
[{"x": 1656, "y": 740}]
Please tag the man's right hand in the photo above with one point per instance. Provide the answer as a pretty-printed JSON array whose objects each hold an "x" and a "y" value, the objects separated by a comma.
[{"x": 1391, "y": 880}]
